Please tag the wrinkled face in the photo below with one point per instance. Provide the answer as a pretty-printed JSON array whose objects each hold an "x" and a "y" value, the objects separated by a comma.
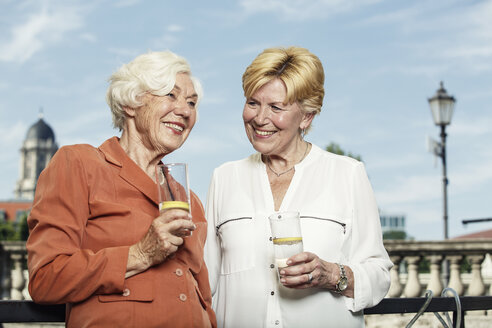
[
  {"x": 273, "y": 127},
  {"x": 164, "y": 123}
]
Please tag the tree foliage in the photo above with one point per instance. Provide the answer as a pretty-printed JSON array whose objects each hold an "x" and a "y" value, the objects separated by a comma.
[
  {"x": 336, "y": 149},
  {"x": 395, "y": 234},
  {"x": 10, "y": 230}
]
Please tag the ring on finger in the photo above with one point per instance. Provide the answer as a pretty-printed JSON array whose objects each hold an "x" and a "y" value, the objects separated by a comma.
[{"x": 310, "y": 277}]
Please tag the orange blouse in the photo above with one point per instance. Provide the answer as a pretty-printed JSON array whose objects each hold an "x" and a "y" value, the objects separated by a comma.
[{"x": 90, "y": 205}]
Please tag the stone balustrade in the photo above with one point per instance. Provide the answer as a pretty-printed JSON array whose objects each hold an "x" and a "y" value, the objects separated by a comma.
[{"x": 406, "y": 280}]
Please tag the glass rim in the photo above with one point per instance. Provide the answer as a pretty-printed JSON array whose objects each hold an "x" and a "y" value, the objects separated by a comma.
[{"x": 172, "y": 164}]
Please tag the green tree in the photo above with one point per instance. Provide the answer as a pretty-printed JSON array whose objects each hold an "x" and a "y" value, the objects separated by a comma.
[
  {"x": 23, "y": 229},
  {"x": 7, "y": 230},
  {"x": 395, "y": 234},
  {"x": 10, "y": 230},
  {"x": 336, "y": 149}
]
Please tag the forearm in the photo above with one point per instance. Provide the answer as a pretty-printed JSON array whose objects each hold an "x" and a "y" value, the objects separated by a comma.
[{"x": 76, "y": 277}]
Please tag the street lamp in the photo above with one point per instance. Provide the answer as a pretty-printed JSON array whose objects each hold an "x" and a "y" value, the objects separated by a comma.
[{"x": 442, "y": 106}]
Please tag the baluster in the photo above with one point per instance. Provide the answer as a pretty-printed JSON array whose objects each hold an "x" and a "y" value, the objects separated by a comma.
[
  {"x": 455, "y": 281},
  {"x": 7, "y": 274},
  {"x": 18, "y": 280},
  {"x": 3, "y": 269},
  {"x": 395, "y": 287},
  {"x": 413, "y": 287},
  {"x": 25, "y": 290},
  {"x": 435, "y": 277},
  {"x": 477, "y": 287}
]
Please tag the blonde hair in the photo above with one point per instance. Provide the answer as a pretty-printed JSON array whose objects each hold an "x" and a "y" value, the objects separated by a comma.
[
  {"x": 154, "y": 73},
  {"x": 300, "y": 70}
]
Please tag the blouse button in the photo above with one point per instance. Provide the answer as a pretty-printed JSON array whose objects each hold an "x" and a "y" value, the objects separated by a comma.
[
  {"x": 277, "y": 322},
  {"x": 182, "y": 297},
  {"x": 271, "y": 238},
  {"x": 272, "y": 293},
  {"x": 179, "y": 272},
  {"x": 272, "y": 266},
  {"x": 126, "y": 292}
]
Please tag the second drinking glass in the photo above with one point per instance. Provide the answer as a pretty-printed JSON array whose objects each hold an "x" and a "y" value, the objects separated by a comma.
[{"x": 286, "y": 236}]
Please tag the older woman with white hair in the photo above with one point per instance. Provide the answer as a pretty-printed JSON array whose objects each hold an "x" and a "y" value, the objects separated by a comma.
[{"x": 97, "y": 240}]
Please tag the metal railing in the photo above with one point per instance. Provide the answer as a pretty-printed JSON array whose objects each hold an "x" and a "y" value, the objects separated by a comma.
[{"x": 28, "y": 311}]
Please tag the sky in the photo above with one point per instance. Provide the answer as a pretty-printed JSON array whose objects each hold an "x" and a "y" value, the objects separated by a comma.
[{"x": 383, "y": 59}]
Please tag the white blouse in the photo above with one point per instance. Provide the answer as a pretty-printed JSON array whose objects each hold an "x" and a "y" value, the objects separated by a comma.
[{"x": 339, "y": 223}]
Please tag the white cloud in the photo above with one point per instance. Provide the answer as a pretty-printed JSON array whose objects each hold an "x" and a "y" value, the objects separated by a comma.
[
  {"x": 212, "y": 100},
  {"x": 127, "y": 3},
  {"x": 169, "y": 39},
  {"x": 88, "y": 37},
  {"x": 123, "y": 53},
  {"x": 475, "y": 127},
  {"x": 299, "y": 10},
  {"x": 409, "y": 189},
  {"x": 472, "y": 176},
  {"x": 174, "y": 28},
  {"x": 40, "y": 29},
  {"x": 12, "y": 135},
  {"x": 394, "y": 162}
]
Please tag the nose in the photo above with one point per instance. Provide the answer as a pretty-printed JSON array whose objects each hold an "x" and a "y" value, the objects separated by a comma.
[
  {"x": 262, "y": 115},
  {"x": 182, "y": 108}
]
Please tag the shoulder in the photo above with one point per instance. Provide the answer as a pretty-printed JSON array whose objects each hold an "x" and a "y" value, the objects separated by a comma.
[
  {"x": 78, "y": 149},
  {"x": 74, "y": 153}
]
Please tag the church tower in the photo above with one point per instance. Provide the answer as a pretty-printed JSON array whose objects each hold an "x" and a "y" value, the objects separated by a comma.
[{"x": 36, "y": 152}]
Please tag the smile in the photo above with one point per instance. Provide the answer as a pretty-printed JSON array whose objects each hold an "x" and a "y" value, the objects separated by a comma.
[
  {"x": 174, "y": 126},
  {"x": 264, "y": 133}
]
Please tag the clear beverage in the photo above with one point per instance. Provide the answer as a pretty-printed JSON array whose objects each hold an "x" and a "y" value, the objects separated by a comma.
[{"x": 286, "y": 236}]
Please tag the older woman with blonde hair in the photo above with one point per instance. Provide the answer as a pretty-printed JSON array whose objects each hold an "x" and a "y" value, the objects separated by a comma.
[
  {"x": 97, "y": 240},
  {"x": 344, "y": 267}
]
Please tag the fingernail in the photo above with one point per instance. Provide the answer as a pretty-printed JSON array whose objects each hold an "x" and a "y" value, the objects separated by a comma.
[{"x": 282, "y": 272}]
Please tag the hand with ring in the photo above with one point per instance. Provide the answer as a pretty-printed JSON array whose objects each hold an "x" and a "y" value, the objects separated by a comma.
[
  {"x": 307, "y": 270},
  {"x": 303, "y": 271}
]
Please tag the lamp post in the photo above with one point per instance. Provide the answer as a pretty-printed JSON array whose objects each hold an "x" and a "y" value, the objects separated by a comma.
[{"x": 442, "y": 107}]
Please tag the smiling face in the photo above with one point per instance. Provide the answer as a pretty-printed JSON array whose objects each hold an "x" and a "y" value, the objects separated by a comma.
[
  {"x": 164, "y": 123},
  {"x": 272, "y": 127}
]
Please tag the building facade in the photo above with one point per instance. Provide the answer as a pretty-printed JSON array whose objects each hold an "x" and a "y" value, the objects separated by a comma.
[
  {"x": 38, "y": 148},
  {"x": 36, "y": 152}
]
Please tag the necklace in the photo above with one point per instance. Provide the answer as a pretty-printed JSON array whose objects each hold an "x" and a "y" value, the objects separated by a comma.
[{"x": 286, "y": 171}]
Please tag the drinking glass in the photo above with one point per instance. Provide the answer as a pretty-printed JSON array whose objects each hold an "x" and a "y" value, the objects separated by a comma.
[
  {"x": 173, "y": 186},
  {"x": 286, "y": 236}
]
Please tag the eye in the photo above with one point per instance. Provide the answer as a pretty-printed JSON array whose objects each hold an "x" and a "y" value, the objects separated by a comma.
[
  {"x": 251, "y": 103},
  {"x": 276, "y": 108},
  {"x": 171, "y": 95},
  {"x": 192, "y": 104}
]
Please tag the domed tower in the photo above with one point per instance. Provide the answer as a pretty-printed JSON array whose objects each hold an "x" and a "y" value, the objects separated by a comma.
[{"x": 36, "y": 152}]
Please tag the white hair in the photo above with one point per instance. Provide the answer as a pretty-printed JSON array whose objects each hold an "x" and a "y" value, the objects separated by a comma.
[{"x": 153, "y": 72}]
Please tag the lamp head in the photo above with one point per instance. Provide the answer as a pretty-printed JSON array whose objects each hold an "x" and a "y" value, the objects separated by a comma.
[{"x": 442, "y": 106}]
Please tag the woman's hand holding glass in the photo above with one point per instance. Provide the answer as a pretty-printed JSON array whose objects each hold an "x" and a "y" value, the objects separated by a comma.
[
  {"x": 161, "y": 241},
  {"x": 307, "y": 270}
]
